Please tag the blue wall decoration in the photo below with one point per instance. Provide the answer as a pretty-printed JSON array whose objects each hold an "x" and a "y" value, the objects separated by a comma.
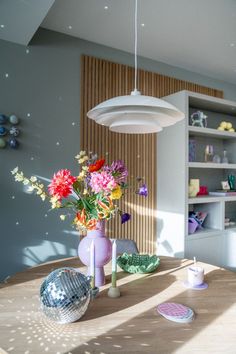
[{"x": 13, "y": 131}]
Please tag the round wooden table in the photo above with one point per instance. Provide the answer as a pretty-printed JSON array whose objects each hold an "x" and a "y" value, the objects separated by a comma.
[{"x": 129, "y": 324}]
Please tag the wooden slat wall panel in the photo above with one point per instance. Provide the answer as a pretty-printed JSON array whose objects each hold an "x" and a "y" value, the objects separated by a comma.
[{"x": 101, "y": 80}]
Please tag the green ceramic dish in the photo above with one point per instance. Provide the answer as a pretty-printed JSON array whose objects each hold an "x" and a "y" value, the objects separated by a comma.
[{"x": 138, "y": 263}]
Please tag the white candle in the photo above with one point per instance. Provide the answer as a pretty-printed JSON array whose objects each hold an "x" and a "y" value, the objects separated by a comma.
[
  {"x": 92, "y": 259},
  {"x": 195, "y": 275},
  {"x": 113, "y": 257}
]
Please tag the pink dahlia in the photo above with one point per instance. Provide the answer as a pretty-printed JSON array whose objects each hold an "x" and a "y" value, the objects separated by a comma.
[
  {"x": 102, "y": 182},
  {"x": 62, "y": 183}
]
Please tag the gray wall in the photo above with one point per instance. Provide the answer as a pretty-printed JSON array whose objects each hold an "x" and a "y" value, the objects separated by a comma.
[{"x": 45, "y": 83}]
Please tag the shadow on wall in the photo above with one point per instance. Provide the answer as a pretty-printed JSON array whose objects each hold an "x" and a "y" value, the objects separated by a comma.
[{"x": 33, "y": 236}]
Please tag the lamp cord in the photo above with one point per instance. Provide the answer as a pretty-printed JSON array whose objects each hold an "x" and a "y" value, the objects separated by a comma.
[{"x": 135, "y": 43}]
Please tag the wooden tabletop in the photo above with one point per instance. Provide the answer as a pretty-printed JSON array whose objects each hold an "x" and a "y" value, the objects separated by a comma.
[{"x": 129, "y": 324}]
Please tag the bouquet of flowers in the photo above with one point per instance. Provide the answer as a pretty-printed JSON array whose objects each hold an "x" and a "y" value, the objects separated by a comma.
[{"x": 90, "y": 195}]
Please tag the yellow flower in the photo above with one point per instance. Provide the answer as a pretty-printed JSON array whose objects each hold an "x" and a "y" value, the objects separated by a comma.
[
  {"x": 85, "y": 192},
  {"x": 15, "y": 170},
  {"x": 116, "y": 193},
  {"x": 55, "y": 202},
  {"x": 33, "y": 179}
]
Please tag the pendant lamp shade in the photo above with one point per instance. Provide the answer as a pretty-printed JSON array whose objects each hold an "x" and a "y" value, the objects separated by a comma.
[{"x": 135, "y": 113}]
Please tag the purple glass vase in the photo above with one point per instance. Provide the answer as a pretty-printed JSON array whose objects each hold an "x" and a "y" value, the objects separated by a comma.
[{"x": 103, "y": 251}]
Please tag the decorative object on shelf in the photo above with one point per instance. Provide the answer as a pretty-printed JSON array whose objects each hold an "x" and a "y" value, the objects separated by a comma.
[
  {"x": 3, "y": 119},
  {"x": 192, "y": 150},
  {"x": 226, "y": 126},
  {"x": 209, "y": 153},
  {"x": 176, "y": 312},
  {"x": 229, "y": 222},
  {"x": 103, "y": 252},
  {"x": 91, "y": 196},
  {"x": 194, "y": 187},
  {"x": 138, "y": 263},
  {"x": 114, "y": 291},
  {"x": 192, "y": 225},
  {"x": 216, "y": 159},
  {"x": 65, "y": 295},
  {"x": 225, "y": 185},
  {"x": 199, "y": 119},
  {"x": 223, "y": 193},
  {"x": 196, "y": 216},
  {"x": 203, "y": 190},
  {"x": 14, "y": 131},
  {"x": 135, "y": 113},
  {"x": 14, "y": 119},
  {"x": 225, "y": 157},
  {"x": 231, "y": 181}
]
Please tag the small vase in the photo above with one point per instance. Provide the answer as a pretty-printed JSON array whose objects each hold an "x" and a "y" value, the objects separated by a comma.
[{"x": 103, "y": 251}]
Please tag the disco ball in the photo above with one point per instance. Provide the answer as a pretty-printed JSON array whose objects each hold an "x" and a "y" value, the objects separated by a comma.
[{"x": 65, "y": 295}]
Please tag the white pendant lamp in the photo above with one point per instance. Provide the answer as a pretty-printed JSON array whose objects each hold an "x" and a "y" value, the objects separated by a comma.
[{"x": 135, "y": 113}]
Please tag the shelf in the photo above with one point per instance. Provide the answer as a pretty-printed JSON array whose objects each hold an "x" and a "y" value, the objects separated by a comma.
[
  {"x": 229, "y": 166},
  {"x": 214, "y": 133},
  {"x": 210, "y": 199},
  {"x": 202, "y": 233}
]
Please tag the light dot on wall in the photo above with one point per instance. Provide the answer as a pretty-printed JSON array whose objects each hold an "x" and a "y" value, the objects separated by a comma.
[
  {"x": 138, "y": 156},
  {"x": 107, "y": 153},
  {"x": 105, "y": 7},
  {"x": 12, "y": 197},
  {"x": 46, "y": 215},
  {"x": 2, "y": 26},
  {"x": 70, "y": 27},
  {"x": 57, "y": 143},
  {"x": 142, "y": 24},
  {"x": 17, "y": 223},
  {"x": 232, "y": 44},
  {"x": 28, "y": 115},
  {"x": 73, "y": 123},
  {"x": 6, "y": 75},
  {"x": 27, "y": 51},
  {"x": 46, "y": 233},
  {"x": 32, "y": 158}
]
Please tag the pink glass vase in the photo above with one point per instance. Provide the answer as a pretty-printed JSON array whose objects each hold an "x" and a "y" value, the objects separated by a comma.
[{"x": 103, "y": 251}]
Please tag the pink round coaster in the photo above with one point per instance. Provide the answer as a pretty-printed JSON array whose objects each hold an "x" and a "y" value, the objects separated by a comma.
[{"x": 172, "y": 309}]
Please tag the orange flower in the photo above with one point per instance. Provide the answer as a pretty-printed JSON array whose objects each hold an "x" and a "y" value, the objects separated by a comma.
[
  {"x": 96, "y": 166},
  {"x": 81, "y": 220}
]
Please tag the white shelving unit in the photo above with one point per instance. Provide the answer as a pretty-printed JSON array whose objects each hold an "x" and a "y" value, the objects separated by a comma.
[{"x": 215, "y": 243}]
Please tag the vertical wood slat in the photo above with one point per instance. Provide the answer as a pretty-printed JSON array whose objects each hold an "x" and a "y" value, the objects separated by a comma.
[{"x": 101, "y": 80}]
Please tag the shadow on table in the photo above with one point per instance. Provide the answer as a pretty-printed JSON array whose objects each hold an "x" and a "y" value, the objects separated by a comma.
[
  {"x": 42, "y": 270},
  {"x": 147, "y": 331}
]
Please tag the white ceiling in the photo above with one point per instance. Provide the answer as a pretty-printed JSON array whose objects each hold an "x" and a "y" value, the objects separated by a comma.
[
  {"x": 20, "y": 19},
  {"x": 197, "y": 35}
]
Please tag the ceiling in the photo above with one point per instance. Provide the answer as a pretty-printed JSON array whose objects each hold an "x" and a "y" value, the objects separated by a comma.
[{"x": 196, "y": 35}]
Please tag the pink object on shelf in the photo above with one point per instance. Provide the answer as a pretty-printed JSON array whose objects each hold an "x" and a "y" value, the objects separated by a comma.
[
  {"x": 192, "y": 225},
  {"x": 203, "y": 190}
]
